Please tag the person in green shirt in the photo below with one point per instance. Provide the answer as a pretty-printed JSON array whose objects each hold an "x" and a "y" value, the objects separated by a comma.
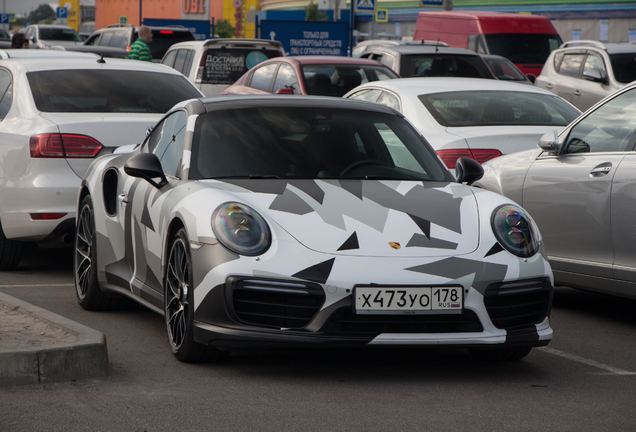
[{"x": 140, "y": 50}]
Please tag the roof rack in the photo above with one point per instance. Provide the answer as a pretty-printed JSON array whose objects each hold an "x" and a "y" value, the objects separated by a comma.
[
  {"x": 119, "y": 25},
  {"x": 583, "y": 43}
]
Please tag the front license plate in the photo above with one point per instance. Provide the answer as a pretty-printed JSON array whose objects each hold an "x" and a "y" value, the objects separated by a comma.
[{"x": 408, "y": 300}]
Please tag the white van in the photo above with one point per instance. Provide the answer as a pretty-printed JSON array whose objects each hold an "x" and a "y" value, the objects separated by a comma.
[{"x": 214, "y": 64}]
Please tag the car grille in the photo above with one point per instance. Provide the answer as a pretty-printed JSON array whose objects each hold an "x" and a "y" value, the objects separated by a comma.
[
  {"x": 517, "y": 304},
  {"x": 271, "y": 303},
  {"x": 345, "y": 321}
]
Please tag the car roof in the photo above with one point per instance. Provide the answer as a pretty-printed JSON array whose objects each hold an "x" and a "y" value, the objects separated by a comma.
[
  {"x": 56, "y": 26},
  {"x": 444, "y": 85},
  {"x": 215, "y": 103},
  {"x": 234, "y": 43},
  {"x": 29, "y": 53},
  {"x": 33, "y": 64},
  {"x": 611, "y": 48},
  {"x": 317, "y": 60},
  {"x": 423, "y": 49}
]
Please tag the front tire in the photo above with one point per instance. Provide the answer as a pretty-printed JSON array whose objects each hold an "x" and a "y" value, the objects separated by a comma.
[
  {"x": 179, "y": 305},
  {"x": 89, "y": 294},
  {"x": 10, "y": 252}
]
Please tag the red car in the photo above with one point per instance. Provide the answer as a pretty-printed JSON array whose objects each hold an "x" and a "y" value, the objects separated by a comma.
[{"x": 310, "y": 75}]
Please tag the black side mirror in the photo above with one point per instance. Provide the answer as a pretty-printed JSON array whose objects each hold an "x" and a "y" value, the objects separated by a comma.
[
  {"x": 147, "y": 167},
  {"x": 531, "y": 77},
  {"x": 468, "y": 170}
]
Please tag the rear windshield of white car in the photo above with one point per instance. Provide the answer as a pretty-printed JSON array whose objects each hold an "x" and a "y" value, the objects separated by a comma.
[
  {"x": 443, "y": 65},
  {"x": 498, "y": 108},
  {"x": 310, "y": 143},
  {"x": 624, "y": 67},
  {"x": 227, "y": 65},
  {"x": 59, "y": 34},
  {"x": 337, "y": 80},
  {"x": 108, "y": 91}
]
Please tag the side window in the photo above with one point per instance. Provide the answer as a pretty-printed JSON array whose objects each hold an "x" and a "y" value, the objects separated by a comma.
[
  {"x": 262, "y": 77},
  {"x": 571, "y": 64},
  {"x": 388, "y": 60},
  {"x": 105, "y": 39},
  {"x": 558, "y": 57},
  {"x": 93, "y": 40},
  {"x": 179, "y": 61},
  {"x": 29, "y": 33},
  {"x": 188, "y": 63},
  {"x": 118, "y": 39},
  {"x": 594, "y": 62},
  {"x": 286, "y": 78},
  {"x": 167, "y": 142},
  {"x": 6, "y": 93},
  {"x": 389, "y": 100},
  {"x": 367, "y": 95},
  {"x": 168, "y": 60},
  {"x": 600, "y": 131}
]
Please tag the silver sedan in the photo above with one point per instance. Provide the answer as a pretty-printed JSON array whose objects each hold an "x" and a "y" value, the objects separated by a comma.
[{"x": 580, "y": 188}]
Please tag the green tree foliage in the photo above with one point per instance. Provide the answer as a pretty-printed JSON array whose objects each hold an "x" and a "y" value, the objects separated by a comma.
[
  {"x": 312, "y": 13},
  {"x": 224, "y": 29},
  {"x": 41, "y": 13}
]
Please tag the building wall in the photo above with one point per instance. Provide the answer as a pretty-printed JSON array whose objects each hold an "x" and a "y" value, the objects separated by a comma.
[{"x": 591, "y": 29}]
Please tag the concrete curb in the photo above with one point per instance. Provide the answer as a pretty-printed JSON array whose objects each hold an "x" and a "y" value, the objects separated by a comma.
[{"x": 85, "y": 358}]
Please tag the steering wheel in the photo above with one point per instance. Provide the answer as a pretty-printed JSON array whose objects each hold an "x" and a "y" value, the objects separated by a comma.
[{"x": 360, "y": 163}]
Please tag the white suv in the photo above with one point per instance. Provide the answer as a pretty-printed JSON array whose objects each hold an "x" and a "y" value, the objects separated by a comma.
[
  {"x": 584, "y": 72},
  {"x": 214, "y": 64},
  {"x": 56, "y": 116}
]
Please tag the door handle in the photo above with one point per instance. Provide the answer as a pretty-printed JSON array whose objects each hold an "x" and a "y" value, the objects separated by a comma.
[
  {"x": 123, "y": 198},
  {"x": 577, "y": 93},
  {"x": 601, "y": 170},
  {"x": 548, "y": 85}
]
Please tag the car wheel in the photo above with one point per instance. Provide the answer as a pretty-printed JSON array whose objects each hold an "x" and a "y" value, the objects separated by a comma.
[
  {"x": 500, "y": 354},
  {"x": 179, "y": 305},
  {"x": 10, "y": 252},
  {"x": 89, "y": 294}
]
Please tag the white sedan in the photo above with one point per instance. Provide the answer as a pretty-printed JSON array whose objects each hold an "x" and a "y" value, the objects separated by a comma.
[
  {"x": 475, "y": 118},
  {"x": 56, "y": 115}
]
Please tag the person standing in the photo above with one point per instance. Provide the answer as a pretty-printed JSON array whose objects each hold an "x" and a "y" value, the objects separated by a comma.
[{"x": 140, "y": 50}]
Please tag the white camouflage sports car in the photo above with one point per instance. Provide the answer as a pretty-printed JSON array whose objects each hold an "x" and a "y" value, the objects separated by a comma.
[{"x": 318, "y": 221}]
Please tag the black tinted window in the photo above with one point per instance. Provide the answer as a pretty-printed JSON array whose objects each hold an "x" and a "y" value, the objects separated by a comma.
[
  {"x": 59, "y": 34},
  {"x": 164, "y": 39},
  {"x": 522, "y": 48},
  {"x": 307, "y": 142},
  {"x": 624, "y": 66},
  {"x": 108, "y": 91},
  {"x": 438, "y": 65}
]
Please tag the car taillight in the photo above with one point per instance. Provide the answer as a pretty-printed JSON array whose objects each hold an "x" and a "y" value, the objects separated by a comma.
[
  {"x": 166, "y": 31},
  {"x": 128, "y": 48},
  {"x": 63, "y": 146},
  {"x": 449, "y": 157}
]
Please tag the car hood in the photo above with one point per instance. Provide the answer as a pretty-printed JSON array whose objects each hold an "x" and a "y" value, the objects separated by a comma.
[
  {"x": 367, "y": 217},
  {"x": 507, "y": 139}
]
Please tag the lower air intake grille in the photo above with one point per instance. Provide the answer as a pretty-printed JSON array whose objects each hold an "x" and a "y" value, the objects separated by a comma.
[
  {"x": 344, "y": 321},
  {"x": 517, "y": 304},
  {"x": 272, "y": 303}
]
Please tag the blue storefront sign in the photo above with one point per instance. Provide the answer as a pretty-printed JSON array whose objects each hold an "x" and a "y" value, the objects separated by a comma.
[{"x": 308, "y": 37}]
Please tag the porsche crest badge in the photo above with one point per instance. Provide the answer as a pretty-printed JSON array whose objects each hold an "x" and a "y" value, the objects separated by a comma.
[{"x": 395, "y": 245}]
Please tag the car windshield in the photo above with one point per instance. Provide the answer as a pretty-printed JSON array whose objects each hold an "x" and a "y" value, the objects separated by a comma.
[
  {"x": 309, "y": 143},
  {"x": 624, "y": 67},
  {"x": 59, "y": 34},
  {"x": 227, "y": 65},
  {"x": 164, "y": 39},
  {"x": 440, "y": 65},
  {"x": 108, "y": 91},
  {"x": 523, "y": 48},
  {"x": 498, "y": 108},
  {"x": 337, "y": 80}
]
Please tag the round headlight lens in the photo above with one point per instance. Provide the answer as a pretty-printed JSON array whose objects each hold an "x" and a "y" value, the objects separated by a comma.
[
  {"x": 241, "y": 229},
  {"x": 515, "y": 230}
]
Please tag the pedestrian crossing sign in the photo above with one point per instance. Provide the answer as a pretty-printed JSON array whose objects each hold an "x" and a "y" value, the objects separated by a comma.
[
  {"x": 365, "y": 6},
  {"x": 382, "y": 15}
]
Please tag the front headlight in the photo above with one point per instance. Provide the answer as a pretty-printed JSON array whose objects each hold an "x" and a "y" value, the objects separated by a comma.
[
  {"x": 241, "y": 229},
  {"x": 515, "y": 230}
]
